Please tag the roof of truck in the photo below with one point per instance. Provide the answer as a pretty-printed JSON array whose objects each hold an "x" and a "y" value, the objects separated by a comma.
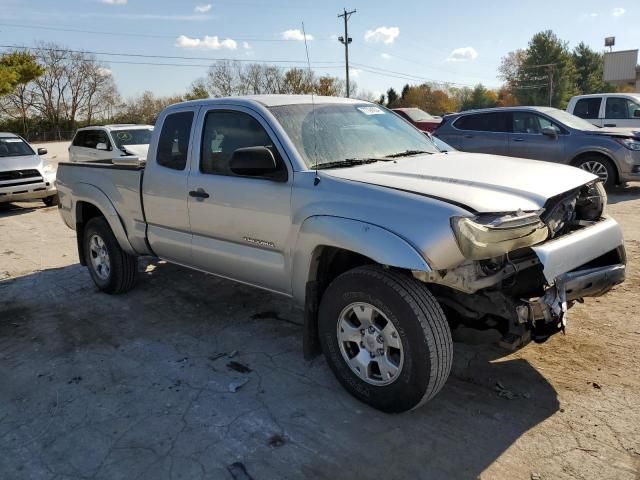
[
  {"x": 8, "y": 135},
  {"x": 274, "y": 100}
]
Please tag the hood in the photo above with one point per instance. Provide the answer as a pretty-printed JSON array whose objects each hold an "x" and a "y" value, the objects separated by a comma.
[
  {"x": 139, "y": 150},
  {"x": 478, "y": 182},
  {"x": 24, "y": 162},
  {"x": 616, "y": 132}
]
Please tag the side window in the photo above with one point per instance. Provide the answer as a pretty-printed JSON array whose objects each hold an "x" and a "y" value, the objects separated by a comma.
[
  {"x": 484, "y": 122},
  {"x": 525, "y": 122},
  {"x": 173, "y": 144},
  {"x": 100, "y": 136},
  {"x": 80, "y": 138},
  {"x": 91, "y": 139},
  {"x": 620, "y": 108},
  {"x": 224, "y": 133},
  {"x": 588, "y": 108}
]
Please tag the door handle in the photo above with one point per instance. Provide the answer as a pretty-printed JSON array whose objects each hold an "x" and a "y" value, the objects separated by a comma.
[
  {"x": 609, "y": 124},
  {"x": 518, "y": 139},
  {"x": 198, "y": 193}
]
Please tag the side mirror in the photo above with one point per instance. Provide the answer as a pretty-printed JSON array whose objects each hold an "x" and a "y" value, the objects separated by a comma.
[
  {"x": 253, "y": 162},
  {"x": 102, "y": 146},
  {"x": 636, "y": 113},
  {"x": 128, "y": 161},
  {"x": 550, "y": 132},
  {"x": 42, "y": 151}
]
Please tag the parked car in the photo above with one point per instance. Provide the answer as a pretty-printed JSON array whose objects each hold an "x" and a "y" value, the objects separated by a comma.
[
  {"x": 99, "y": 144},
  {"x": 549, "y": 134},
  {"x": 357, "y": 216},
  {"x": 24, "y": 174},
  {"x": 608, "y": 109},
  {"x": 421, "y": 119}
]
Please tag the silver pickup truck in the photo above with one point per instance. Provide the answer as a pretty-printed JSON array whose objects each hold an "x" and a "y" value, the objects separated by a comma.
[{"x": 385, "y": 241}]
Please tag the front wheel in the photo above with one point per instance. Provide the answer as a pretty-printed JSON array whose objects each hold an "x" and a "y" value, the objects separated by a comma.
[
  {"x": 112, "y": 269},
  {"x": 385, "y": 338},
  {"x": 602, "y": 167}
]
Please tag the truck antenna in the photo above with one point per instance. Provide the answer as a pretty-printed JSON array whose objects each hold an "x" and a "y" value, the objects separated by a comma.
[{"x": 316, "y": 179}]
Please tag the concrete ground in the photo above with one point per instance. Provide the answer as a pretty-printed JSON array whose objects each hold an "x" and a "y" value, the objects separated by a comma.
[{"x": 193, "y": 377}]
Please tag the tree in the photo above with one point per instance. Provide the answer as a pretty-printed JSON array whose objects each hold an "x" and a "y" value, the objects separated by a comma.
[
  {"x": 511, "y": 65},
  {"x": 589, "y": 66},
  {"x": 197, "y": 90},
  {"x": 547, "y": 69},
  {"x": 392, "y": 98},
  {"x": 17, "y": 68}
]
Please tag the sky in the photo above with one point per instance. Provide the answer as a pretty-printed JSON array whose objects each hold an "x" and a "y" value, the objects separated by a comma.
[{"x": 394, "y": 43}]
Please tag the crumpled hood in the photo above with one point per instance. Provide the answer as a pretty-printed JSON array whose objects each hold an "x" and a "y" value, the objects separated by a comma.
[
  {"x": 139, "y": 150},
  {"x": 616, "y": 132},
  {"x": 25, "y": 162},
  {"x": 484, "y": 183}
]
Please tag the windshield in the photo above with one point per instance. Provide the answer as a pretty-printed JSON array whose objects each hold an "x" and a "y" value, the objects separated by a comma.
[
  {"x": 348, "y": 131},
  {"x": 14, "y": 147},
  {"x": 570, "y": 120},
  {"x": 418, "y": 115},
  {"x": 138, "y": 136}
]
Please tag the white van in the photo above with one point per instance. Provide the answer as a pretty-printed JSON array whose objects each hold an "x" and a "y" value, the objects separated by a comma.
[{"x": 608, "y": 109}]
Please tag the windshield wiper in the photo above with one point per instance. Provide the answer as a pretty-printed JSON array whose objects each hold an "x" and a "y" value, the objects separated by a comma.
[
  {"x": 350, "y": 162},
  {"x": 407, "y": 153}
]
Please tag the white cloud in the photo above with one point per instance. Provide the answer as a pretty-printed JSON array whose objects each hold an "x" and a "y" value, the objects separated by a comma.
[
  {"x": 206, "y": 43},
  {"x": 104, "y": 72},
  {"x": 463, "y": 54},
  {"x": 114, "y": 2},
  {"x": 246, "y": 45},
  {"x": 354, "y": 72},
  {"x": 202, "y": 8},
  {"x": 296, "y": 35},
  {"x": 386, "y": 56},
  {"x": 593, "y": 14},
  {"x": 382, "y": 34},
  {"x": 618, "y": 12}
]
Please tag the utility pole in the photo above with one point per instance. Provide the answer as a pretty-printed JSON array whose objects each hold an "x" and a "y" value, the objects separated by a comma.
[
  {"x": 550, "y": 85},
  {"x": 346, "y": 40}
]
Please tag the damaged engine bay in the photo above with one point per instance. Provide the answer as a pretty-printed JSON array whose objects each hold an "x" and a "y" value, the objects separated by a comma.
[{"x": 510, "y": 291}]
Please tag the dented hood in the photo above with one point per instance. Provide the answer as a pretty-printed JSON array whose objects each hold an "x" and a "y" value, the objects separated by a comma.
[{"x": 481, "y": 183}]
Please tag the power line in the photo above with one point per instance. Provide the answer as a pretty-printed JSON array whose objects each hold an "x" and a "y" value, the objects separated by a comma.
[
  {"x": 170, "y": 57},
  {"x": 404, "y": 76}
]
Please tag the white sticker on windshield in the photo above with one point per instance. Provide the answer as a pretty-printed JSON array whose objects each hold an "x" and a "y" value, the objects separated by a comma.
[
  {"x": 371, "y": 110},
  {"x": 11, "y": 140}
]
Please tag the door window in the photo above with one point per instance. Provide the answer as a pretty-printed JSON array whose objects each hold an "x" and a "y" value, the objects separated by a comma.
[
  {"x": 224, "y": 133},
  {"x": 588, "y": 108},
  {"x": 484, "y": 122},
  {"x": 525, "y": 122},
  {"x": 620, "y": 108},
  {"x": 173, "y": 145},
  {"x": 80, "y": 139}
]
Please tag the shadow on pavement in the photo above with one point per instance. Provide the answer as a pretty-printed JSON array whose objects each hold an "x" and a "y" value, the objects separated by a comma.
[
  {"x": 189, "y": 374},
  {"x": 12, "y": 209},
  {"x": 624, "y": 193}
]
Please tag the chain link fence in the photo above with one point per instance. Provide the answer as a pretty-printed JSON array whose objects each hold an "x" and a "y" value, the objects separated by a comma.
[{"x": 51, "y": 136}]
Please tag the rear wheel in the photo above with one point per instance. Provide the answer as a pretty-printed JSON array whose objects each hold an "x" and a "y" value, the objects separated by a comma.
[
  {"x": 385, "y": 337},
  {"x": 111, "y": 268},
  {"x": 600, "y": 166}
]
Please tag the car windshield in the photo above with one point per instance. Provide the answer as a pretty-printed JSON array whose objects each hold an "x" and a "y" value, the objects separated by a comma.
[
  {"x": 346, "y": 132},
  {"x": 14, "y": 147},
  {"x": 418, "y": 115},
  {"x": 570, "y": 120},
  {"x": 137, "y": 136}
]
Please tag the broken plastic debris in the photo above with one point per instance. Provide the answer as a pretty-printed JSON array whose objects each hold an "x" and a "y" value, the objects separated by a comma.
[{"x": 234, "y": 386}]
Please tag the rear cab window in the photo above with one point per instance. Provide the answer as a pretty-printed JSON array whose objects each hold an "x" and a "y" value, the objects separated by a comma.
[{"x": 173, "y": 144}]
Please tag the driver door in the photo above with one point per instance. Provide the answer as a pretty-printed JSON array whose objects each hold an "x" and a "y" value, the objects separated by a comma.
[{"x": 240, "y": 224}]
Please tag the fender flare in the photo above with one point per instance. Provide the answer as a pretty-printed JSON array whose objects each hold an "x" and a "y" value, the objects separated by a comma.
[
  {"x": 375, "y": 242},
  {"x": 87, "y": 193}
]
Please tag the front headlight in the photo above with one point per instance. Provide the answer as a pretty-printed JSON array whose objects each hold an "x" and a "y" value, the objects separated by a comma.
[
  {"x": 630, "y": 143},
  {"x": 48, "y": 168},
  {"x": 492, "y": 235}
]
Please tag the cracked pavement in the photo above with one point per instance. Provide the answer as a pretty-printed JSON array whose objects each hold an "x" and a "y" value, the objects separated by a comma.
[{"x": 138, "y": 386}]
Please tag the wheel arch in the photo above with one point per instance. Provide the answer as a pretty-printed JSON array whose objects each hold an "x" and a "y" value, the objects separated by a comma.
[{"x": 575, "y": 161}]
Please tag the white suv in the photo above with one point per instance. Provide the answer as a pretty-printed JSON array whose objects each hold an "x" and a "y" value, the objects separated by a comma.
[
  {"x": 95, "y": 144},
  {"x": 608, "y": 109}
]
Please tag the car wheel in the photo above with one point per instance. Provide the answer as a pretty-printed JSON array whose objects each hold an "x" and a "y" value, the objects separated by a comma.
[
  {"x": 51, "y": 201},
  {"x": 385, "y": 338},
  {"x": 111, "y": 268},
  {"x": 602, "y": 167}
]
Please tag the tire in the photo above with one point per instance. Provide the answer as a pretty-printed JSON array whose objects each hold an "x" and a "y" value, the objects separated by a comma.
[
  {"x": 417, "y": 326},
  {"x": 51, "y": 201},
  {"x": 101, "y": 248},
  {"x": 601, "y": 166}
]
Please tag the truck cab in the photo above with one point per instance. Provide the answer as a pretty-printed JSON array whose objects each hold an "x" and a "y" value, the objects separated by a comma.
[{"x": 609, "y": 110}]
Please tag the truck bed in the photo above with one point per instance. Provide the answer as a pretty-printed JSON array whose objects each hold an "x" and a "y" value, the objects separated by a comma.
[{"x": 118, "y": 186}]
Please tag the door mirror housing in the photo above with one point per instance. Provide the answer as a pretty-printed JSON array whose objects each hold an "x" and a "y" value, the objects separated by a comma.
[
  {"x": 42, "y": 151},
  {"x": 550, "y": 132},
  {"x": 102, "y": 146},
  {"x": 636, "y": 113},
  {"x": 254, "y": 162}
]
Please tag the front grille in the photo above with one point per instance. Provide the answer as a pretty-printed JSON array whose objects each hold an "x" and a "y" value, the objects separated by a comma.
[
  {"x": 19, "y": 174},
  {"x": 15, "y": 178}
]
